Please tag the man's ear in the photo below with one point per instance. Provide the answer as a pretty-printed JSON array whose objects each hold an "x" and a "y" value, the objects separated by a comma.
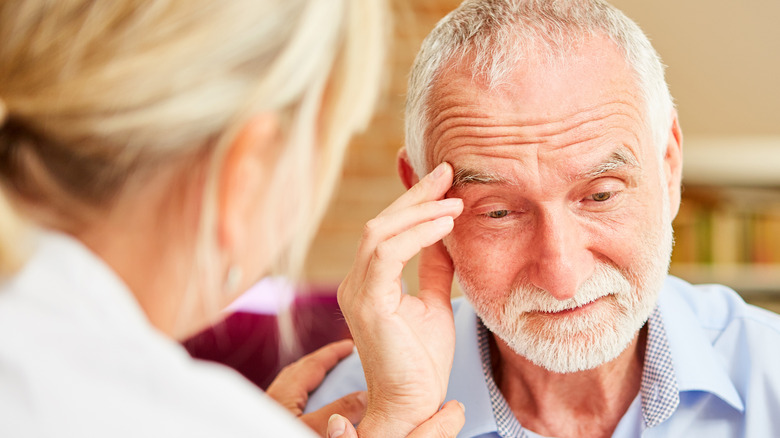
[
  {"x": 673, "y": 165},
  {"x": 405, "y": 171},
  {"x": 241, "y": 186}
]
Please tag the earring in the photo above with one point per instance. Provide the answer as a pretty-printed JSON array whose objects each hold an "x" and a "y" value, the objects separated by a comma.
[{"x": 233, "y": 279}]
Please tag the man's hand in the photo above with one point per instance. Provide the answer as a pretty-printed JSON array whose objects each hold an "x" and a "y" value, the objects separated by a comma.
[
  {"x": 292, "y": 386},
  {"x": 406, "y": 343}
]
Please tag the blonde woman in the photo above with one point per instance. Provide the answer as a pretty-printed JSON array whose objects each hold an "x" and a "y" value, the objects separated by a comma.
[{"x": 157, "y": 158}]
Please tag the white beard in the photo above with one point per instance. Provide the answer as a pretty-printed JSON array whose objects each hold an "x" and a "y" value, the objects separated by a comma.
[{"x": 585, "y": 340}]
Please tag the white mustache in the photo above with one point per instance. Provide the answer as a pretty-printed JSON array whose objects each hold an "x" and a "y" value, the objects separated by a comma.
[{"x": 605, "y": 281}]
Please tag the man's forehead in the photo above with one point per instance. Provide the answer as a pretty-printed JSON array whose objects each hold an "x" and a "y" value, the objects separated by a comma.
[{"x": 535, "y": 104}]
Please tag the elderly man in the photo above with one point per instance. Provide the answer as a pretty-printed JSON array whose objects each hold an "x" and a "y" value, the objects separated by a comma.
[{"x": 566, "y": 150}]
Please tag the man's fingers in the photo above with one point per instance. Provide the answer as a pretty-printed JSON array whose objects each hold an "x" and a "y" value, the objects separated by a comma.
[
  {"x": 435, "y": 273},
  {"x": 385, "y": 227},
  {"x": 391, "y": 255},
  {"x": 444, "y": 424},
  {"x": 352, "y": 407},
  {"x": 421, "y": 204},
  {"x": 340, "y": 427},
  {"x": 292, "y": 385},
  {"x": 433, "y": 186}
]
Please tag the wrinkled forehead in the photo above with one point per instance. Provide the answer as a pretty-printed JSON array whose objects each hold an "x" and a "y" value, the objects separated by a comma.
[{"x": 538, "y": 97}]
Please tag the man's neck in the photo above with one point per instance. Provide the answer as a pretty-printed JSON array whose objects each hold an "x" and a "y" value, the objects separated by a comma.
[{"x": 586, "y": 403}]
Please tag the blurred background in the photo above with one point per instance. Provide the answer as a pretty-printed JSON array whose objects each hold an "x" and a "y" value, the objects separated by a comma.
[{"x": 723, "y": 62}]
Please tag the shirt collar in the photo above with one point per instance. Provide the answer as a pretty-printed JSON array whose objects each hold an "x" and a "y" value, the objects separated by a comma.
[
  {"x": 507, "y": 424},
  {"x": 466, "y": 383},
  {"x": 658, "y": 390},
  {"x": 697, "y": 365}
]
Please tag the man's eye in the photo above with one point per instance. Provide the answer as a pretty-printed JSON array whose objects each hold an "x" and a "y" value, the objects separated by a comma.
[
  {"x": 497, "y": 214},
  {"x": 601, "y": 196}
]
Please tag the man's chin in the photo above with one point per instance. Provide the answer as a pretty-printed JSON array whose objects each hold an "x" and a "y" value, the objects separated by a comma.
[
  {"x": 572, "y": 355},
  {"x": 572, "y": 341}
]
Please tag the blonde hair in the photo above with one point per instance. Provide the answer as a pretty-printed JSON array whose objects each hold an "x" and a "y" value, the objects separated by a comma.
[{"x": 95, "y": 93}]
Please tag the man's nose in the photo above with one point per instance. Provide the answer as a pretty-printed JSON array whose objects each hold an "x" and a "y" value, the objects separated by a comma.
[{"x": 561, "y": 259}]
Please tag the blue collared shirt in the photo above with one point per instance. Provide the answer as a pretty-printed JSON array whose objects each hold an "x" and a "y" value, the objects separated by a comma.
[{"x": 712, "y": 369}]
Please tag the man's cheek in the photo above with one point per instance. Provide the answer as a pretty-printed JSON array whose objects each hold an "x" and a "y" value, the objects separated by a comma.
[
  {"x": 460, "y": 252},
  {"x": 472, "y": 259}
]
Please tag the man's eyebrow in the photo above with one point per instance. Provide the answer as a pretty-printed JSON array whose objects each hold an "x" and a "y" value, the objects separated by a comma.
[
  {"x": 465, "y": 176},
  {"x": 618, "y": 159}
]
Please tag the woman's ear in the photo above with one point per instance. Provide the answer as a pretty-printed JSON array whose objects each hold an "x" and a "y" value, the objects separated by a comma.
[
  {"x": 244, "y": 177},
  {"x": 405, "y": 171}
]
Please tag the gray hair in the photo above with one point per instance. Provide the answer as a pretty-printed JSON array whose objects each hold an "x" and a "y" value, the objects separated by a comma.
[{"x": 496, "y": 35}]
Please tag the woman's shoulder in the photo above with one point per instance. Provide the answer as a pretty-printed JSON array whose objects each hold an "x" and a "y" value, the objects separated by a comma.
[
  {"x": 68, "y": 381},
  {"x": 76, "y": 359}
]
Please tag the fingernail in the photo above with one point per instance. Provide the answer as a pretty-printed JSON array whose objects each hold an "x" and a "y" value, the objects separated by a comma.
[
  {"x": 444, "y": 222},
  {"x": 450, "y": 202},
  {"x": 439, "y": 170},
  {"x": 336, "y": 426},
  {"x": 462, "y": 406}
]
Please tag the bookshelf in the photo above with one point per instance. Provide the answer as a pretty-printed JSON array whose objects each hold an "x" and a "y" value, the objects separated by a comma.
[{"x": 728, "y": 227}]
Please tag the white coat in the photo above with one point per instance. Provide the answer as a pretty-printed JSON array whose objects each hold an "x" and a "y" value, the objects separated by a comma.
[{"x": 78, "y": 358}]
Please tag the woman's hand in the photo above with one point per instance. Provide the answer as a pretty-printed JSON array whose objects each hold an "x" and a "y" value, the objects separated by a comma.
[
  {"x": 406, "y": 343},
  {"x": 444, "y": 424},
  {"x": 292, "y": 386}
]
